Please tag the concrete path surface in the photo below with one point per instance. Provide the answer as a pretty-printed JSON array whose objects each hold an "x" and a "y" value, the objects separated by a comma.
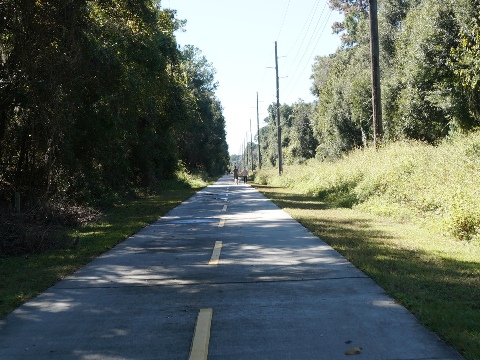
[{"x": 225, "y": 275}]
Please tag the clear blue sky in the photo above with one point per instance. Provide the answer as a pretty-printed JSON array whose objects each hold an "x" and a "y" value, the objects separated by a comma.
[{"x": 238, "y": 38}]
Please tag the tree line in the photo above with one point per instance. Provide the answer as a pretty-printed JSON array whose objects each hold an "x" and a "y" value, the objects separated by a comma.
[
  {"x": 96, "y": 98},
  {"x": 430, "y": 76}
]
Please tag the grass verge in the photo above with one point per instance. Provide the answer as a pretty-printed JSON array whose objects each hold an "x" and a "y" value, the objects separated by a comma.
[
  {"x": 434, "y": 276},
  {"x": 24, "y": 277}
]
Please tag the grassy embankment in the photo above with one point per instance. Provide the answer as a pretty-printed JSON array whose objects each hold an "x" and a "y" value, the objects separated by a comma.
[
  {"x": 408, "y": 215},
  {"x": 24, "y": 277}
]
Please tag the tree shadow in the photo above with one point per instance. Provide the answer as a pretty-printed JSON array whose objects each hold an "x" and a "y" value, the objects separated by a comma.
[
  {"x": 442, "y": 292},
  {"x": 288, "y": 200}
]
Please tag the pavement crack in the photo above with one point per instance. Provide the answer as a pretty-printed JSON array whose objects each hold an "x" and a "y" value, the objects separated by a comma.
[{"x": 183, "y": 283}]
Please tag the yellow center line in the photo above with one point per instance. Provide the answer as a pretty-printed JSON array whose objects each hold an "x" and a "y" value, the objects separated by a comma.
[
  {"x": 201, "y": 337},
  {"x": 221, "y": 223},
  {"x": 216, "y": 253}
]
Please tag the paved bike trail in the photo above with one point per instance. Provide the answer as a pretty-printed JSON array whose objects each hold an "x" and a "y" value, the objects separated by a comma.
[{"x": 225, "y": 275}]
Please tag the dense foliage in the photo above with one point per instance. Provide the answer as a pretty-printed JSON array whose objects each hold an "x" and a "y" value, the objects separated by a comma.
[
  {"x": 430, "y": 76},
  {"x": 96, "y": 98}
]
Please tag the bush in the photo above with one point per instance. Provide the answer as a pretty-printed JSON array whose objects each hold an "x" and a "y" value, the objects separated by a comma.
[{"x": 41, "y": 228}]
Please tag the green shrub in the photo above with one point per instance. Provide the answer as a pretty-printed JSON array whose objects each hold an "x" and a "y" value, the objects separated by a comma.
[{"x": 185, "y": 179}]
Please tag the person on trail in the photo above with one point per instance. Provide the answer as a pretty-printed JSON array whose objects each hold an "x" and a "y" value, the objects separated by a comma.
[
  {"x": 245, "y": 175},
  {"x": 235, "y": 175}
]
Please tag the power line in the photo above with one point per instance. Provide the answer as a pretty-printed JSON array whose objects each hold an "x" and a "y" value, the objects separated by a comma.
[
  {"x": 265, "y": 70},
  {"x": 309, "y": 21},
  {"x": 313, "y": 35},
  {"x": 311, "y": 54},
  {"x": 284, "y": 16},
  {"x": 308, "y": 49},
  {"x": 271, "y": 53}
]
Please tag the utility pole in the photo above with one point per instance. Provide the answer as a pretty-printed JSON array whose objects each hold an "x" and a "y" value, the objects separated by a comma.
[
  {"x": 251, "y": 143},
  {"x": 243, "y": 154},
  {"x": 258, "y": 138},
  {"x": 279, "y": 128},
  {"x": 246, "y": 147},
  {"x": 375, "y": 60}
]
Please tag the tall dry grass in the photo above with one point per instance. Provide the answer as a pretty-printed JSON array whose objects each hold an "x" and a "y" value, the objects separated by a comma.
[{"x": 437, "y": 186}]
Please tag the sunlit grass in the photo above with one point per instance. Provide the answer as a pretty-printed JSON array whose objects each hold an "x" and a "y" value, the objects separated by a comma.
[{"x": 435, "y": 186}]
